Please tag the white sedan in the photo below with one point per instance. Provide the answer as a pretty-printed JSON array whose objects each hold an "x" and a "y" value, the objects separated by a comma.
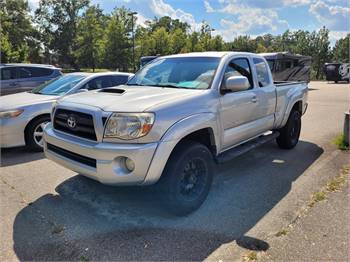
[{"x": 24, "y": 115}]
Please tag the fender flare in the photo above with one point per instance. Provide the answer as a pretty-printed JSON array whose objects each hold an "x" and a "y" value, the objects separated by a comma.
[
  {"x": 295, "y": 98},
  {"x": 173, "y": 136}
]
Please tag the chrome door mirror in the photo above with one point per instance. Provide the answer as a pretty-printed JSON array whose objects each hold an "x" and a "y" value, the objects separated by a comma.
[{"x": 235, "y": 83}]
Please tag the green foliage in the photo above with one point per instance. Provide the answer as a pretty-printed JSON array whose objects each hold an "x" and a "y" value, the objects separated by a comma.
[
  {"x": 161, "y": 41},
  {"x": 16, "y": 30},
  {"x": 117, "y": 43},
  {"x": 339, "y": 141},
  {"x": 341, "y": 50},
  {"x": 169, "y": 24},
  {"x": 58, "y": 22},
  {"x": 178, "y": 41},
  {"x": 89, "y": 39}
]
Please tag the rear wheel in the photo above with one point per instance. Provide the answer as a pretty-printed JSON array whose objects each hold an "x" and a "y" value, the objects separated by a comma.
[
  {"x": 187, "y": 178},
  {"x": 35, "y": 134},
  {"x": 289, "y": 134}
]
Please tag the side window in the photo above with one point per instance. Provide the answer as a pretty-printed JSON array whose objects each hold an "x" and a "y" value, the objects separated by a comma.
[
  {"x": 8, "y": 73},
  {"x": 239, "y": 67},
  {"x": 39, "y": 72},
  {"x": 24, "y": 72},
  {"x": 262, "y": 72},
  {"x": 118, "y": 80},
  {"x": 103, "y": 82},
  {"x": 98, "y": 83}
]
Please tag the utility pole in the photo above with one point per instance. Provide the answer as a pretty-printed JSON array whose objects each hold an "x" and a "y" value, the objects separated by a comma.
[{"x": 132, "y": 14}]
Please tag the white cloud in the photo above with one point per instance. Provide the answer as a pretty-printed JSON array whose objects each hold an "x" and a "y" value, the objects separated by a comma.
[
  {"x": 141, "y": 20},
  {"x": 334, "y": 17},
  {"x": 33, "y": 4},
  {"x": 296, "y": 2},
  {"x": 160, "y": 8},
  {"x": 208, "y": 7},
  {"x": 274, "y": 4},
  {"x": 336, "y": 35},
  {"x": 246, "y": 19}
]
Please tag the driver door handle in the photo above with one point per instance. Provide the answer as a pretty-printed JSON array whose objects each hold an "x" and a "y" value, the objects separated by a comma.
[{"x": 254, "y": 99}]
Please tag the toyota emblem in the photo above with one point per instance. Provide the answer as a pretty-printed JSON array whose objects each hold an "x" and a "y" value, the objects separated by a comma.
[{"x": 71, "y": 122}]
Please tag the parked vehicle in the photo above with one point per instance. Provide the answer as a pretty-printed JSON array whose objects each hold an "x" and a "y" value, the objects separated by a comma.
[
  {"x": 146, "y": 59},
  {"x": 289, "y": 67},
  {"x": 172, "y": 120},
  {"x": 24, "y": 115},
  {"x": 337, "y": 72},
  {"x": 15, "y": 78}
]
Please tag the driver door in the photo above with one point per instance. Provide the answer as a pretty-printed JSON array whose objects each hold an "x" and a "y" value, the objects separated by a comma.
[{"x": 238, "y": 113}]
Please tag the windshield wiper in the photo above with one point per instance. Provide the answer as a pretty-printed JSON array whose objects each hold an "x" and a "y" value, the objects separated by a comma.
[
  {"x": 134, "y": 84},
  {"x": 167, "y": 85}
]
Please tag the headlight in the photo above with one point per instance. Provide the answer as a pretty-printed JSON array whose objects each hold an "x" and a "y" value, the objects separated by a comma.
[
  {"x": 11, "y": 113},
  {"x": 129, "y": 126}
]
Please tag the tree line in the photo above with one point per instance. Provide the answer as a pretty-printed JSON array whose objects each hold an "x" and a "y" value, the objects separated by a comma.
[{"x": 76, "y": 34}]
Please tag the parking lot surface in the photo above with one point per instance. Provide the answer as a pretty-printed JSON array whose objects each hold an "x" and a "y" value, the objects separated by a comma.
[{"x": 51, "y": 213}]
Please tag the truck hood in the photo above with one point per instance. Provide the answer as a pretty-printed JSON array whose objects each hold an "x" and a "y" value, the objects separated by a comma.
[
  {"x": 130, "y": 98},
  {"x": 23, "y": 99}
]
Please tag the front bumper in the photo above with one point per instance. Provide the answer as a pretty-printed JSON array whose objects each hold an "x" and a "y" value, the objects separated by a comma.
[
  {"x": 106, "y": 166},
  {"x": 12, "y": 132}
]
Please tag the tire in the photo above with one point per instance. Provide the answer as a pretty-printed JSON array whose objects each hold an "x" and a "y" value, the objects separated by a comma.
[
  {"x": 187, "y": 178},
  {"x": 289, "y": 134},
  {"x": 34, "y": 140}
]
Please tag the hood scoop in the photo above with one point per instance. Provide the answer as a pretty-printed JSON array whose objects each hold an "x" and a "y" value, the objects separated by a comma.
[{"x": 112, "y": 90}]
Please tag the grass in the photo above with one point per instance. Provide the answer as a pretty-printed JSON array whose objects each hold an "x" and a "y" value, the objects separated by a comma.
[
  {"x": 339, "y": 141},
  {"x": 317, "y": 197},
  {"x": 282, "y": 232},
  {"x": 84, "y": 258},
  {"x": 250, "y": 256},
  {"x": 336, "y": 183}
]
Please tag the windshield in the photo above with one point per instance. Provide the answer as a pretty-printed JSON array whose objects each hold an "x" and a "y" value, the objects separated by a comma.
[
  {"x": 178, "y": 72},
  {"x": 58, "y": 86}
]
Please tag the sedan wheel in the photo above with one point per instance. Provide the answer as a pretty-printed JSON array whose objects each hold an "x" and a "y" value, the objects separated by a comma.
[
  {"x": 34, "y": 133},
  {"x": 38, "y": 134}
]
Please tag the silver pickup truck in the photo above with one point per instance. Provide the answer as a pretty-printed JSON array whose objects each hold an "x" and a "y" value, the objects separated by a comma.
[{"x": 176, "y": 118}]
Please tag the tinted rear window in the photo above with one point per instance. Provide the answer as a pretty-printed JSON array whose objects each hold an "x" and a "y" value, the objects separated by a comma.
[
  {"x": 119, "y": 80},
  {"x": 8, "y": 73},
  {"x": 38, "y": 71}
]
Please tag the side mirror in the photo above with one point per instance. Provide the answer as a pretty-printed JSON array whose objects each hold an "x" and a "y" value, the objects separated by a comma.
[
  {"x": 235, "y": 83},
  {"x": 81, "y": 90}
]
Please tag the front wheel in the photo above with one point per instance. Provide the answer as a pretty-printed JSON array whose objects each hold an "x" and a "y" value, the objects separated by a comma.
[
  {"x": 289, "y": 134},
  {"x": 35, "y": 134},
  {"x": 187, "y": 178}
]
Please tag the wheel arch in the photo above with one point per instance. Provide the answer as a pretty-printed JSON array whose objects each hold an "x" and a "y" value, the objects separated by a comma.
[
  {"x": 200, "y": 128},
  {"x": 296, "y": 105},
  {"x": 32, "y": 121}
]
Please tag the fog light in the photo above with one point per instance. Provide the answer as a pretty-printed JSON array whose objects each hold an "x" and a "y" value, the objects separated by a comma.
[{"x": 129, "y": 164}]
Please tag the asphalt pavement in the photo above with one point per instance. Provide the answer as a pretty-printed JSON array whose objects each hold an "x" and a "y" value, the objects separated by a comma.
[{"x": 51, "y": 213}]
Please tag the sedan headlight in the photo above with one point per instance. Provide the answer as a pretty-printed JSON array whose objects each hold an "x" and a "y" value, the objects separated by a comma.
[
  {"x": 129, "y": 126},
  {"x": 11, "y": 113}
]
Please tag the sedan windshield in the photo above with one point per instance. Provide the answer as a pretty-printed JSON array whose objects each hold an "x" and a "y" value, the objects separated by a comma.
[
  {"x": 59, "y": 86},
  {"x": 178, "y": 72}
]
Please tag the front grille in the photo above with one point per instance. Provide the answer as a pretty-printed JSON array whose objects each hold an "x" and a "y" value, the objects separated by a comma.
[
  {"x": 83, "y": 127},
  {"x": 73, "y": 156}
]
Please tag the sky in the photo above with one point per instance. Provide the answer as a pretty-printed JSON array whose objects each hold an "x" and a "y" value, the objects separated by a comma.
[{"x": 231, "y": 18}]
